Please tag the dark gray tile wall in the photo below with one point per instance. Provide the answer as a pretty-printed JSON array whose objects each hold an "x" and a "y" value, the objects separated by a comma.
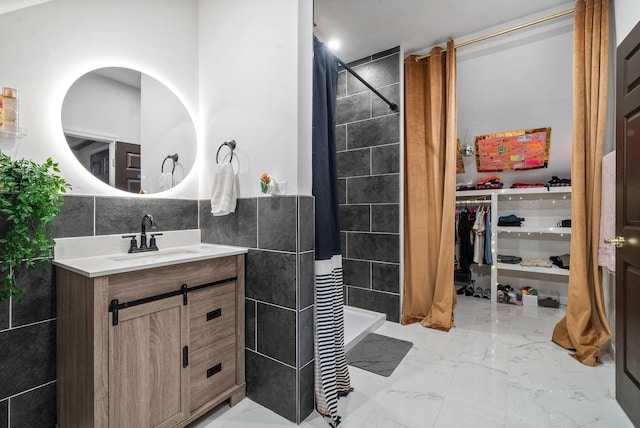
[
  {"x": 75, "y": 218},
  {"x": 124, "y": 215},
  {"x": 4, "y": 414},
  {"x": 27, "y": 329},
  {"x": 36, "y": 408},
  {"x": 240, "y": 228},
  {"x": 279, "y": 232},
  {"x": 271, "y": 277},
  {"x": 28, "y": 357},
  {"x": 4, "y": 315},
  {"x": 307, "y": 389},
  {"x": 372, "y": 300},
  {"x": 306, "y": 286},
  {"x": 368, "y": 156},
  {"x": 276, "y": 333},
  {"x": 250, "y": 324},
  {"x": 272, "y": 384},
  {"x": 39, "y": 299}
]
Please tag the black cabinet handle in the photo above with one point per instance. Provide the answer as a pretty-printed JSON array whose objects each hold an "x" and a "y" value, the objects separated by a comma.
[
  {"x": 185, "y": 357},
  {"x": 113, "y": 307},
  {"x": 184, "y": 289},
  {"x": 215, "y": 369},
  {"x": 214, "y": 314}
]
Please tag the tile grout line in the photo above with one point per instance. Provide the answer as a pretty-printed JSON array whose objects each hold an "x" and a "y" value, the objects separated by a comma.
[
  {"x": 28, "y": 325},
  {"x": 30, "y": 390},
  {"x": 297, "y": 327},
  {"x": 367, "y": 147},
  {"x": 272, "y": 359},
  {"x": 269, "y": 304}
]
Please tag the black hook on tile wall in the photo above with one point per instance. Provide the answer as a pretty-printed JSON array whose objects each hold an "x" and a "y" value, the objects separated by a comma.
[{"x": 231, "y": 144}]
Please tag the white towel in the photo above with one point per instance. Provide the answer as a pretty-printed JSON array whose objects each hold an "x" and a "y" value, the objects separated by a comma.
[
  {"x": 178, "y": 174},
  {"x": 166, "y": 181},
  {"x": 607, "y": 252},
  {"x": 223, "y": 190}
]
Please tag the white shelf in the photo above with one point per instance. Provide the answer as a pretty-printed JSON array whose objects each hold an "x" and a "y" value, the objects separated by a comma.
[
  {"x": 506, "y": 192},
  {"x": 554, "y": 270},
  {"x": 486, "y": 192},
  {"x": 542, "y": 208},
  {"x": 538, "y": 191},
  {"x": 531, "y": 230}
]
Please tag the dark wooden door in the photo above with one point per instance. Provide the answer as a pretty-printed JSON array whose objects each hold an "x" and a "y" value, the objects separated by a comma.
[
  {"x": 628, "y": 225},
  {"x": 128, "y": 167},
  {"x": 100, "y": 165}
]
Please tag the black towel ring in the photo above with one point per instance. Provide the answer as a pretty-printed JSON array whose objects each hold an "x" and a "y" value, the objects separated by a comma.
[
  {"x": 174, "y": 158},
  {"x": 231, "y": 144}
]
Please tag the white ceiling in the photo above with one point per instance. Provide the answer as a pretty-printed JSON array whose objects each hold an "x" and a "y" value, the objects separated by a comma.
[
  {"x": 7, "y": 6},
  {"x": 365, "y": 27}
]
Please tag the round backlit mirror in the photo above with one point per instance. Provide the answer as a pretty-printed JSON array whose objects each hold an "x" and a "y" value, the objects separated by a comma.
[{"x": 129, "y": 130}]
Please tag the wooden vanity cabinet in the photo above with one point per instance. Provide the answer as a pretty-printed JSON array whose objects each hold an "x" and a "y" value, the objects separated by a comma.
[{"x": 165, "y": 357}]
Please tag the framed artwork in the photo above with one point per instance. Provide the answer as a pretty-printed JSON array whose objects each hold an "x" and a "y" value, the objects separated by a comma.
[{"x": 513, "y": 151}]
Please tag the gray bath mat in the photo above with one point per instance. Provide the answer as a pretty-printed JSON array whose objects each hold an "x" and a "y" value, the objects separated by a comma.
[{"x": 378, "y": 354}]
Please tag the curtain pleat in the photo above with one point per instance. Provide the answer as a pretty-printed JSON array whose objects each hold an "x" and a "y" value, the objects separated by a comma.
[
  {"x": 430, "y": 168},
  {"x": 331, "y": 371},
  {"x": 585, "y": 328}
]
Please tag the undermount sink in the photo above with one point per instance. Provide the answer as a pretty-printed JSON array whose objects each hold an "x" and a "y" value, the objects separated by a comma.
[
  {"x": 155, "y": 255},
  {"x": 105, "y": 255}
]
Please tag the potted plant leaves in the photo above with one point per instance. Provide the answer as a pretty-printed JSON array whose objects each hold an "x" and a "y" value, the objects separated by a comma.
[{"x": 31, "y": 195}]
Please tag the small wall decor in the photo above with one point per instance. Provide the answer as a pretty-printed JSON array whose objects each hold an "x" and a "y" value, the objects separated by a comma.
[
  {"x": 266, "y": 184},
  {"x": 513, "y": 151}
]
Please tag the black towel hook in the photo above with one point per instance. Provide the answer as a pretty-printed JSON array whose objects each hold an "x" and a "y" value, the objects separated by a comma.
[
  {"x": 231, "y": 144},
  {"x": 174, "y": 158}
]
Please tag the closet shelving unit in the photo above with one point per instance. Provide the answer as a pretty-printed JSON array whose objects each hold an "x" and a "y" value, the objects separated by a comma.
[{"x": 539, "y": 236}]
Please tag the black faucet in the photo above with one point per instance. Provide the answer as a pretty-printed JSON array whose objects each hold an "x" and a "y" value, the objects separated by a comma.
[
  {"x": 133, "y": 247},
  {"x": 143, "y": 235}
]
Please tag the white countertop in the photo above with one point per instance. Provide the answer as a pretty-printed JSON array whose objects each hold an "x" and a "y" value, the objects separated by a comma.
[{"x": 107, "y": 255}]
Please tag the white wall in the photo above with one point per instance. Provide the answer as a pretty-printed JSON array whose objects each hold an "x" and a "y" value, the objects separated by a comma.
[
  {"x": 96, "y": 105},
  {"x": 627, "y": 16},
  {"x": 305, "y": 95},
  {"x": 521, "y": 80},
  {"x": 166, "y": 129},
  {"x": 48, "y": 46},
  {"x": 250, "y": 58}
]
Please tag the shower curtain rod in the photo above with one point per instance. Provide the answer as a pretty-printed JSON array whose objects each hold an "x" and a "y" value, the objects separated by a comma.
[
  {"x": 392, "y": 106},
  {"x": 508, "y": 30}
]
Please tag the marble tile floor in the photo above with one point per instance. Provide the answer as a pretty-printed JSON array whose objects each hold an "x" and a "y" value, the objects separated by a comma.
[{"x": 497, "y": 368}]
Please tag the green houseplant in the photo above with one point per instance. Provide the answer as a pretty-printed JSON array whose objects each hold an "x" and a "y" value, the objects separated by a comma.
[{"x": 31, "y": 195}]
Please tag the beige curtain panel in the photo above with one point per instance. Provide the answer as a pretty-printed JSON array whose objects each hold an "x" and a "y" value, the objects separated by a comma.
[
  {"x": 430, "y": 173},
  {"x": 585, "y": 328}
]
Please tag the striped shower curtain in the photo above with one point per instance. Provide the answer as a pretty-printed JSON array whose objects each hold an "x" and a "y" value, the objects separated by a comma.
[{"x": 331, "y": 372}]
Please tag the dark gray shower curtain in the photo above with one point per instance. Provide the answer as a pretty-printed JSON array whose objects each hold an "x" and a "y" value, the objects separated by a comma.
[{"x": 331, "y": 372}]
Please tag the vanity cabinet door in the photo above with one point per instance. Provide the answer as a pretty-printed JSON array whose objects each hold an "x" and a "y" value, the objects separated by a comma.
[{"x": 148, "y": 380}]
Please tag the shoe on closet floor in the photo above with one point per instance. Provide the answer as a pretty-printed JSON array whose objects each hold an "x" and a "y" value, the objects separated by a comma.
[
  {"x": 487, "y": 293},
  {"x": 478, "y": 292},
  {"x": 469, "y": 290}
]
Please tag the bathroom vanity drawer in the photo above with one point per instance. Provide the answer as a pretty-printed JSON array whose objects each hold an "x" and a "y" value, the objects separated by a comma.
[
  {"x": 213, "y": 314},
  {"x": 213, "y": 371},
  {"x": 150, "y": 282}
]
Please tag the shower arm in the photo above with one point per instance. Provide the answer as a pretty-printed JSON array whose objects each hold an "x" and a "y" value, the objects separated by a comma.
[{"x": 392, "y": 106}]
